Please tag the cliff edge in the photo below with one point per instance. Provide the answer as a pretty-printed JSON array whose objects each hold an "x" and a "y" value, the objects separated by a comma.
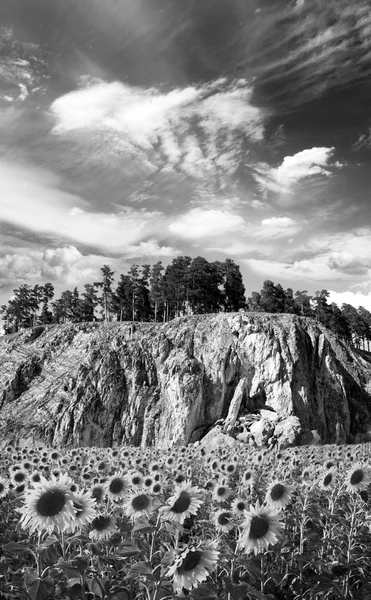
[{"x": 105, "y": 384}]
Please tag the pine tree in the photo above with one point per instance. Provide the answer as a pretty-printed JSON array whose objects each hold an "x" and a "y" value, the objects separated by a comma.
[
  {"x": 106, "y": 286},
  {"x": 233, "y": 288},
  {"x": 156, "y": 288}
]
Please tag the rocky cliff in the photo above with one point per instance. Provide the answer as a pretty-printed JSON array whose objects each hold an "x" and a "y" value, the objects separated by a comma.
[{"x": 165, "y": 384}]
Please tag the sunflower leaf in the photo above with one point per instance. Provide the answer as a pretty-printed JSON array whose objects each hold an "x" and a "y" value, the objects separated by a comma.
[
  {"x": 16, "y": 547},
  {"x": 127, "y": 549},
  {"x": 139, "y": 568}
]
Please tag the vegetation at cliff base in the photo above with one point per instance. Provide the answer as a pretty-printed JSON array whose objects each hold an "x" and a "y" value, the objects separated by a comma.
[{"x": 127, "y": 523}]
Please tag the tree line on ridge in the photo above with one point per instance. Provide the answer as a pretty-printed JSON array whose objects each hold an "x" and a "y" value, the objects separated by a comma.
[{"x": 186, "y": 286}]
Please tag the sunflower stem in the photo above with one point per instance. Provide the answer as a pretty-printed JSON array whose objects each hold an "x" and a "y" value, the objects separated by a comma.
[
  {"x": 350, "y": 542},
  {"x": 262, "y": 574},
  {"x": 63, "y": 545},
  {"x": 154, "y": 538}
]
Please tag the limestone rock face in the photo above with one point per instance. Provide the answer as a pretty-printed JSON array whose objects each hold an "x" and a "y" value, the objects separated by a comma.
[{"x": 167, "y": 384}]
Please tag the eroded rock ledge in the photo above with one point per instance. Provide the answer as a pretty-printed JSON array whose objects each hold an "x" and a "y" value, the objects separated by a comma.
[{"x": 101, "y": 384}]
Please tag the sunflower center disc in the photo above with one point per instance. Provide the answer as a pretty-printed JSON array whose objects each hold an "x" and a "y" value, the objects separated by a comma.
[
  {"x": 259, "y": 527},
  {"x": 327, "y": 480},
  {"x": 101, "y": 523},
  {"x": 277, "y": 491},
  {"x": 51, "y": 503},
  {"x": 356, "y": 477},
  {"x": 224, "y": 518},
  {"x": 182, "y": 503},
  {"x": 190, "y": 561},
  {"x": 116, "y": 486},
  {"x": 140, "y": 502}
]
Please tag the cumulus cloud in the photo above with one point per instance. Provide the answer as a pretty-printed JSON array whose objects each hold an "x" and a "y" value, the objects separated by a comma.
[
  {"x": 201, "y": 223},
  {"x": 355, "y": 299},
  {"x": 278, "y": 227},
  {"x": 197, "y": 131},
  {"x": 64, "y": 265},
  {"x": 346, "y": 262},
  {"x": 285, "y": 177}
]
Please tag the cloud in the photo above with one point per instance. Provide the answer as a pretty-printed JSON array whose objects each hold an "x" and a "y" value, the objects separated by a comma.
[
  {"x": 32, "y": 199},
  {"x": 201, "y": 223},
  {"x": 284, "y": 178},
  {"x": 320, "y": 47},
  {"x": 278, "y": 227},
  {"x": 354, "y": 299},
  {"x": 200, "y": 132},
  {"x": 21, "y": 65},
  {"x": 64, "y": 265},
  {"x": 346, "y": 262}
]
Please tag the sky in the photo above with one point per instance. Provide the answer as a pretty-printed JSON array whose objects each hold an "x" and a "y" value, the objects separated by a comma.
[{"x": 133, "y": 131}]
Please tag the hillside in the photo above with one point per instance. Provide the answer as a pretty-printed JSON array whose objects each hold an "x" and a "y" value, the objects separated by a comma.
[{"x": 100, "y": 384}]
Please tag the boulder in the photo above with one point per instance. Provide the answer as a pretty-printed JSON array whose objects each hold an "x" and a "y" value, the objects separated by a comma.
[
  {"x": 261, "y": 431},
  {"x": 287, "y": 431},
  {"x": 215, "y": 438}
]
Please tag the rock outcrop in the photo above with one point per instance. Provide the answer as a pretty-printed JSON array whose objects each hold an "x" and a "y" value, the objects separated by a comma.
[{"x": 167, "y": 384}]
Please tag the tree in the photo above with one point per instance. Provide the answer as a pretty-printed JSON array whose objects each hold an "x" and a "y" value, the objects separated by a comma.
[
  {"x": 320, "y": 307},
  {"x": 176, "y": 286},
  {"x": 88, "y": 303},
  {"x": 253, "y": 303},
  {"x": 233, "y": 287},
  {"x": 47, "y": 293},
  {"x": 303, "y": 303},
  {"x": 143, "y": 303},
  {"x": 338, "y": 323},
  {"x": 272, "y": 297},
  {"x": 106, "y": 286},
  {"x": 204, "y": 286},
  {"x": 122, "y": 298},
  {"x": 156, "y": 288}
]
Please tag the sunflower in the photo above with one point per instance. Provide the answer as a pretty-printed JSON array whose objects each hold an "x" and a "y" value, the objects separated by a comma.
[
  {"x": 136, "y": 479},
  {"x": 278, "y": 494},
  {"x": 249, "y": 478},
  {"x": 84, "y": 509},
  {"x": 223, "y": 521},
  {"x": 48, "y": 505},
  {"x": 117, "y": 485},
  {"x": 260, "y": 528},
  {"x": 327, "y": 481},
  {"x": 138, "y": 505},
  {"x": 156, "y": 488},
  {"x": 4, "y": 487},
  {"x": 19, "y": 477},
  {"x": 358, "y": 478},
  {"x": 221, "y": 493},
  {"x": 98, "y": 492},
  {"x": 184, "y": 502},
  {"x": 20, "y": 489},
  {"x": 239, "y": 506},
  {"x": 193, "y": 566}
]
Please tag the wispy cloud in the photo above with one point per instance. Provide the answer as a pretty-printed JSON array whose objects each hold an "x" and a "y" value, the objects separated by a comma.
[
  {"x": 200, "y": 132},
  {"x": 321, "y": 47},
  {"x": 32, "y": 199}
]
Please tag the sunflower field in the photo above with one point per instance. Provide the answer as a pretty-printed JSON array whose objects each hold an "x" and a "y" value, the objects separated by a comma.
[{"x": 143, "y": 524}]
